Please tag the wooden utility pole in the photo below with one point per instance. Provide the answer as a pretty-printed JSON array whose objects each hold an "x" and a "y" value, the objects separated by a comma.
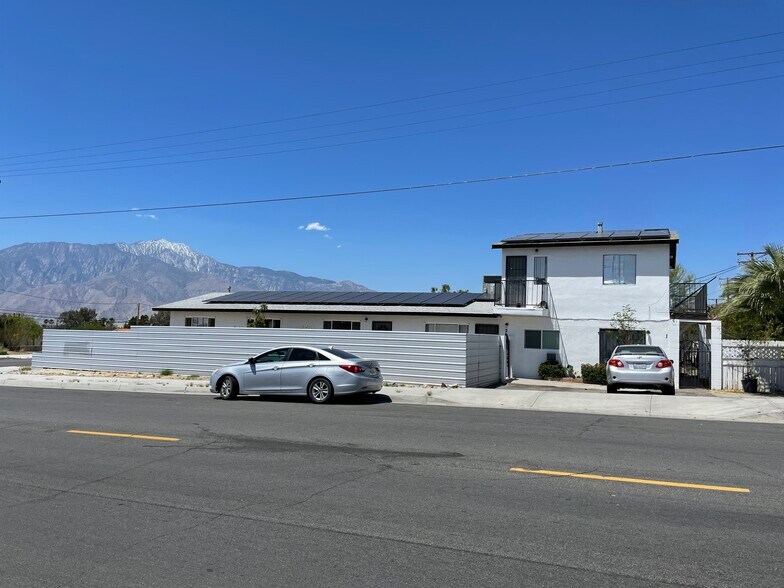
[
  {"x": 749, "y": 254},
  {"x": 138, "y": 312}
]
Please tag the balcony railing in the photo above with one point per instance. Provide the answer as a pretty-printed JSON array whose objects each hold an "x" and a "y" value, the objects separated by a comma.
[
  {"x": 517, "y": 293},
  {"x": 689, "y": 300}
]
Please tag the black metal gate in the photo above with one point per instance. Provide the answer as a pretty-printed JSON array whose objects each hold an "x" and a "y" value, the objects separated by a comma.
[{"x": 695, "y": 364}]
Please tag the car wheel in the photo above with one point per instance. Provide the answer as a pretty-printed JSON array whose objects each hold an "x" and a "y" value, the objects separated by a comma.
[
  {"x": 228, "y": 388},
  {"x": 612, "y": 388},
  {"x": 668, "y": 390},
  {"x": 320, "y": 391}
]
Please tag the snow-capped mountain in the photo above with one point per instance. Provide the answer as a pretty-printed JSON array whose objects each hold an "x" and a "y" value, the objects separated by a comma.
[{"x": 48, "y": 278}]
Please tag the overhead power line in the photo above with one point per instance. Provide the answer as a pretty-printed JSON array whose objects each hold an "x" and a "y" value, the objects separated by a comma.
[
  {"x": 401, "y": 125},
  {"x": 410, "y": 188},
  {"x": 717, "y": 273},
  {"x": 402, "y": 100},
  {"x": 16, "y": 173},
  {"x": 410, "y": 112}
]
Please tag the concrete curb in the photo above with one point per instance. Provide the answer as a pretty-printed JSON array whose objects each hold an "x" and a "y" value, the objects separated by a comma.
[{"x": 756, "y": 410}]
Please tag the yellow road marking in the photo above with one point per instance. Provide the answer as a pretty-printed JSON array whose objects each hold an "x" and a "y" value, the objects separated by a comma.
[
  {"x": 125, "y": 435},
  {"x": 632, "y": 480}
]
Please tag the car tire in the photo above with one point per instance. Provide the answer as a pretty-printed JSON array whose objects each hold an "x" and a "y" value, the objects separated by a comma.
[
  {"x": 668, "y": 390},
  {"x": 228, "y": 388},
  {"x": 612, "y": 388},
  {"x": 320, "y": 390}
]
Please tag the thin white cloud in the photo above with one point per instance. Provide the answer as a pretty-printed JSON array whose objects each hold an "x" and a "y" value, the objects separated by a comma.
[
  {"x": 340, "y": 246},
  {"x": 314, "y": 226},
  {"x": 327, "y": 236},
  {"x": 149, "y": 216}
]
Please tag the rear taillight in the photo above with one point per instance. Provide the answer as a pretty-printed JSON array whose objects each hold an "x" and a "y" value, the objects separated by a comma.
[
  {"x": 664, "y": 363},
  {"x": 616, "y": 363},
  {"x": 354, "y": 369}
]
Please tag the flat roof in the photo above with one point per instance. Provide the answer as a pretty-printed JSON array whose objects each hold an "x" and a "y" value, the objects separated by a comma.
[
  {"x": 432, "y": 299},
  {"x": 589, "y": 238}
]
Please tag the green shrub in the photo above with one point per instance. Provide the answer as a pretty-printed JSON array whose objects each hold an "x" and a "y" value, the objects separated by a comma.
[
  {"x": 551, "y": 370},
  {"x": 166, "y": 372},
  {"x": 593, "y": 374}
]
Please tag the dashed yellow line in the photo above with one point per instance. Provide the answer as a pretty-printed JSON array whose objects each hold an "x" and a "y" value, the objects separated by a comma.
[
  {"x": 124, "y": 435},
  {"x": 632, "y": 480}
]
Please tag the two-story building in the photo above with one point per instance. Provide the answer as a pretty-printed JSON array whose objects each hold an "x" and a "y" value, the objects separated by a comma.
[{"x": 554, "y": 299}]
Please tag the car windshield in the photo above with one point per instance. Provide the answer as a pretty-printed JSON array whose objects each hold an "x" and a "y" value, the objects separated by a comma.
[
  {"x": 341, "y": 354},
  {"x": 638, "y": 350}
]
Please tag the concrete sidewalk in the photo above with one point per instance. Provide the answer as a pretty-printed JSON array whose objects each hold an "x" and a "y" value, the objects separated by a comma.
[{"x": 748, "y": 409}]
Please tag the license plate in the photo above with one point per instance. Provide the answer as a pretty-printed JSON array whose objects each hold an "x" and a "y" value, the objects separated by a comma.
[{"x": 639, "y": 366}]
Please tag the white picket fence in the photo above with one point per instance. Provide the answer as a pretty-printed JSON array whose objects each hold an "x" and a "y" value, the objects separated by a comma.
[{"x": 767, "y": 365}]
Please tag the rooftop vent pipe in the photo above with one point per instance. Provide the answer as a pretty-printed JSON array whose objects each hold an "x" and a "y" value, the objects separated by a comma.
[{"x": 600, "y": 227}]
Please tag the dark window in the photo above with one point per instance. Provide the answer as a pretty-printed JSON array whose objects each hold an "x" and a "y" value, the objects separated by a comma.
[
  {"x": 540, "y": 269},
  {"x": 609, "y": 339},
  {"x": 480, "y": 329},
  {"x": 342, "y": 354},
  {"x": 343, "y": 325},
  {"x": 323, "y": 357},
  {"x": 273, "y": 356},
  {"x": 199, "y": 321},
  {"x": 533, "y": 339},
  {"x": 551, "y": 340},
  {"x": 445, "y": 328},
  {"x": 268, "y": 323},
  {"x": 381, "y": 326},
  {"x": 298, "y": 354},
  {"x": 620, "y": 269}
]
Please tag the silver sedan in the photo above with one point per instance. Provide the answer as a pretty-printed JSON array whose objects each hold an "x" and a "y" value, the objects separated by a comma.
[
  {"x": 320, "y": 372},
  {"x": 640, "y": 366}
]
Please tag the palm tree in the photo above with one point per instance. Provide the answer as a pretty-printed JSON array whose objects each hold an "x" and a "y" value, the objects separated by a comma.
[{"x": 759, "y": 289}]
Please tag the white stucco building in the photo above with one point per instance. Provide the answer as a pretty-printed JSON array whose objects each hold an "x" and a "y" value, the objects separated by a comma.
[{"x": 554, "y": 299}]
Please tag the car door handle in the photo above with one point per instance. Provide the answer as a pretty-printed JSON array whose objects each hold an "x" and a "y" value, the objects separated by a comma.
[
  {"x": 311, "y": 365},
  {"x": 275, "y": 368}
]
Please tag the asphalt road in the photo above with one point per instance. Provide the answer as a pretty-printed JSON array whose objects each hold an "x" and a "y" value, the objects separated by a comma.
[
  {"x": 282, "y": 492},
  {"x": 11, "y": 361}
]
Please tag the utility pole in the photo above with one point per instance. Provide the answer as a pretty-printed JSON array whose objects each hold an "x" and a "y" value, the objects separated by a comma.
[
  {"x": 138, "y": 312},
  {"x": 749, "y": 254}
]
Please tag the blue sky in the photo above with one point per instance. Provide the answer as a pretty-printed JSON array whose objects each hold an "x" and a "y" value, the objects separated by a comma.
[{"x": 84, "y": 73}]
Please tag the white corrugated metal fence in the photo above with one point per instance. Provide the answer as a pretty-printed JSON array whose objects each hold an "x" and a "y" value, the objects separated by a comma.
[{"x": 406, "y": 357}]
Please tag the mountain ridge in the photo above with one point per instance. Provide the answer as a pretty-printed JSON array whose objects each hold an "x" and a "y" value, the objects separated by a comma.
[{"x": 46, "y": 278}]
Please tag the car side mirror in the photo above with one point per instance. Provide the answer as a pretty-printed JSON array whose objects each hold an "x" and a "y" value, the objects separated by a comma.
[{"x": 252, "y": 361}]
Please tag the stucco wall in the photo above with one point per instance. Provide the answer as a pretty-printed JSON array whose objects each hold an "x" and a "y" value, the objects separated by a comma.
[{"x": 575, "y": 277}]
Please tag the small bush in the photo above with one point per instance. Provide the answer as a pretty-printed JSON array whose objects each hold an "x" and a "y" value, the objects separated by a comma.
[
  {"x": 25, "y": 368},
  {"x": 3, "y": 352},
  {"x": 593, "y": 374},
  {"x": 551, "y": 370},
  {"x": 166, "y": 372}
]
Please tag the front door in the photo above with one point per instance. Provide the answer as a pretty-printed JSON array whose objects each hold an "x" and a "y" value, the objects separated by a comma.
[
  {"x": 298, "y": 370},
  {"x": 264, "y": 374},
  {"x": 516, "y": 271}
]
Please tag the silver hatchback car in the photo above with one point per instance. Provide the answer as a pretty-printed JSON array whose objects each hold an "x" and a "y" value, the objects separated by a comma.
[
  {"x": 320, "y": 372},
  {"x": 640, "y": 366}
]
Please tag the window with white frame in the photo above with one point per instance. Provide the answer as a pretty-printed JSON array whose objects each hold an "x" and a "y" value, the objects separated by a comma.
[
  {"x": 268, "y": 323},
  {"x": 620, "y": 269},
  {"x": 199, "y": 321},
  {"x": 445, "y": 328},
  {"x": 535, "y": 339},
  {"x": 343, "y": 325}
]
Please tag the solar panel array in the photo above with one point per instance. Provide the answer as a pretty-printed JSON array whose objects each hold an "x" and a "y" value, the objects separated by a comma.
[
  {"x": 592, "y": 235},
  {"x": 355, "y": 298}
]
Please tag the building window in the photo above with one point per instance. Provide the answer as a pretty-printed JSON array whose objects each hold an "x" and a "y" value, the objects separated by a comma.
[
  {"x": 445, "y": 328},
  {"x": 540, "y": 269},
  {"x": 620, "y": 269},
  {"x": 381, "y": 326},
  {"x": 268, "y": 323},
  {"x": 481, "y": 329},
  {"x": 343, "y": 325},
  {"x": 542, "y": 339},
  {"x": 199, "y": 321}
]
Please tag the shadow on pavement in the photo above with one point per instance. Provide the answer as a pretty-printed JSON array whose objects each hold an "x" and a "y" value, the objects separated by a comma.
[{"x": 351, "y": 400}]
